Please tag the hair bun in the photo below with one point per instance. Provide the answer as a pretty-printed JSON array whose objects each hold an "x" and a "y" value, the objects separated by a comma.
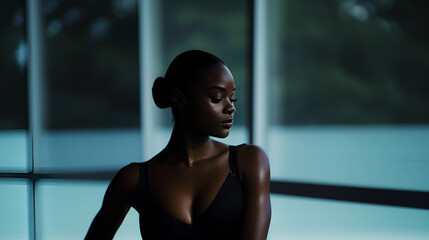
[{"x": 161, "y": 92}]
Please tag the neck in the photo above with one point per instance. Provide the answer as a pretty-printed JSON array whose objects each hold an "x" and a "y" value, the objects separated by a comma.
[{"x": 190, "y": 145}]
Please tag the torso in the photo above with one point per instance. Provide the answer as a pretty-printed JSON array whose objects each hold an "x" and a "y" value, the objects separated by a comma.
[{"x": 190, "y": 199}]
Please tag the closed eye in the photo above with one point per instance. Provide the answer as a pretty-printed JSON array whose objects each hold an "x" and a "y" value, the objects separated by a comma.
[
  {"x": 215, "y": 100},
  {"x": 218, "y": 100}
]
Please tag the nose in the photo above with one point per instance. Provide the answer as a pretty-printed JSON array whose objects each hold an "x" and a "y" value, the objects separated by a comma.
[{"x": 229, "y": 108}]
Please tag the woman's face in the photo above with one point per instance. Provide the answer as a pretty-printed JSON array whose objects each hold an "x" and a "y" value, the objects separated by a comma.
[{"x": 210, "y": 108}]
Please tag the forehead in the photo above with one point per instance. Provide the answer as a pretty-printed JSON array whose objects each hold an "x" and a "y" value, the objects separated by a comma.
[{"x": 216, "y": 75}]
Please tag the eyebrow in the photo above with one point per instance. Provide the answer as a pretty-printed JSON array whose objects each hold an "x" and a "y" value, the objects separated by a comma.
[{"x": 219, "y": 88}]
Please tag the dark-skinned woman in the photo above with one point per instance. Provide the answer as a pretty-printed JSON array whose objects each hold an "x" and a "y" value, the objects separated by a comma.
[{"x": 196, "y": 187}]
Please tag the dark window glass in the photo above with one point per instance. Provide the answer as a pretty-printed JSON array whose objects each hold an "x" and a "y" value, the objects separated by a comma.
[
  {"x": 13, "y": 66},
  {"x": 92, "y": 64},
  {"x": 349, "y": 62}
]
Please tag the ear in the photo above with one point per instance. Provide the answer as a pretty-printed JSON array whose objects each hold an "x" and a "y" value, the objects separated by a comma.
[{"x": 178, "y": 99}]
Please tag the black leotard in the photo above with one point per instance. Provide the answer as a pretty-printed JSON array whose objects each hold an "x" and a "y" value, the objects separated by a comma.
[{"x": 221, "y": 220}]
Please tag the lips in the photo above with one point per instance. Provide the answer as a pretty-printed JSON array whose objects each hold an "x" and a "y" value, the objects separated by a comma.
[{"x": 227, "y": 123}]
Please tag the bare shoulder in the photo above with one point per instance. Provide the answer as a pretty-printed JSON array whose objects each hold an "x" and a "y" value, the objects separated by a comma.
[
  {"x": 130, "y": 173},
  {"x": 252, "y": 154},
  {"x": 126, "y": 180},
  {"x": 252, "y": 159}
]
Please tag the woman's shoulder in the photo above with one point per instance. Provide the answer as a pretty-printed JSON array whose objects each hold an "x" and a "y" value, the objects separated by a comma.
[
  {"x": 130, "y": 171},
  {"x": 252, "y": 159},
  {"x": 252, "y": 153},
  {"x": 127, "y": 178}
]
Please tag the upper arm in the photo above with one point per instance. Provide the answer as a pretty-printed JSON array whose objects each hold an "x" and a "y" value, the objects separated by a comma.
[
  {"x": 116, "y": 203},
  {"x": 255, "y": 170}
]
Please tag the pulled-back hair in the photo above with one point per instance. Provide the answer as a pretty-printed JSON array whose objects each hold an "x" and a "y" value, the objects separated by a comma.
[{"x": 183, "y": 71}]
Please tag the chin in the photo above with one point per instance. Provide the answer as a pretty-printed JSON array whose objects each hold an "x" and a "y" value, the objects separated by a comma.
[{"x": 221, "y": 135}]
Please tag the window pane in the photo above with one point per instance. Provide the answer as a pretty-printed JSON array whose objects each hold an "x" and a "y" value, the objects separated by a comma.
[
  {"x": 92, "y": 64},
  {"x": 219, "y": 27},
  {"x": 14, "y": 209},
  {"x": 67, "y": 208},
  {"x": 348, "y": 62},
  {"x": 13, "y": 88},
  {"x": 307, "y": 218},
  {"x": 348, "y": 89},
  {"x": 92, "y": 87},
  {"x": 13, "y": 66},
  {"x": 386, "y": 157},
  {"x": 14, "y": 151},
  {"x": 88, "y": 150}
]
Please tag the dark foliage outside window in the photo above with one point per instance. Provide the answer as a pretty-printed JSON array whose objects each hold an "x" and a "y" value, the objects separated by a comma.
[
  {"x": 92, "y": 64},
  {"x": 349, "y": 62},
  {"x": 13, "y": 66}
]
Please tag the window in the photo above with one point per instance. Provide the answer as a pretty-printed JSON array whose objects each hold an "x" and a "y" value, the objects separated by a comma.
[
  {"x": 347, "y": 87},
  {"x": 347, "y": 83},
  {"x": 346, "y": 93},
  {"x": 92, "y": 111},
  {"x": 13, "y": 90}
]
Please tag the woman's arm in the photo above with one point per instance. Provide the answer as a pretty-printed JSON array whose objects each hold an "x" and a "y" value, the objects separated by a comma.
[
  {"x": 117, "y": 201},
  {"x": 256, "y": 185}
]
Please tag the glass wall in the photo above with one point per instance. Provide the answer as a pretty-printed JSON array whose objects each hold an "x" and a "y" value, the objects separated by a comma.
[
  {"x": 348, "y": 88},
  {"x": 88, "y": 104},
  {"x": 302, "y": 218},
  {"x": 15, "y": 194},
  {"x": 67, "y": 208},
  {"x": 346, "y": 92}
]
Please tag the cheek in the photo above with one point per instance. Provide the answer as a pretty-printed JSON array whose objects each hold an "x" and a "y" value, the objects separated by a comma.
[
  {"x": 208, "y": 113},
  {"x": 215, "y": 110}
]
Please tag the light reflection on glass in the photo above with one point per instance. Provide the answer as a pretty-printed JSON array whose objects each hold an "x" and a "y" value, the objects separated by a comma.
[
  {"x": 14, "y": 209},
  {"x": 310, "y": 219},
  {"x": 67, "y": 208}
]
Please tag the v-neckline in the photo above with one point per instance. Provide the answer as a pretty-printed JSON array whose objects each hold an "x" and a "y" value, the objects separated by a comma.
[
  {"x": 148, "y": 192},
  {"x": 197, "y": 220}
]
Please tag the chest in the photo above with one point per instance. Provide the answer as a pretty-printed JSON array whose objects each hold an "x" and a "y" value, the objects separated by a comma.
[
  {"x": 203, "y": 204},
  {"x": 220, "y": 219},
  {"x": 186, "y": 193}
]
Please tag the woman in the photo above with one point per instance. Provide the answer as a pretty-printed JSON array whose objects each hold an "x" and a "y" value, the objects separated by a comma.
[{"x": 196, "y": 187}]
